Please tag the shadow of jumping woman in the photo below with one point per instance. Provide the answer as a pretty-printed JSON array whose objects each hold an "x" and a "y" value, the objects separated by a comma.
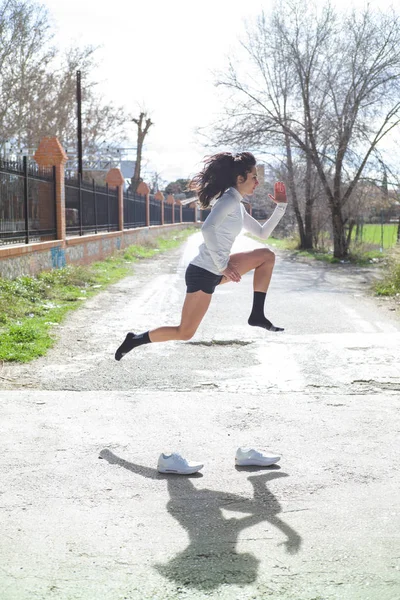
[{"x": 210, "y": 559}]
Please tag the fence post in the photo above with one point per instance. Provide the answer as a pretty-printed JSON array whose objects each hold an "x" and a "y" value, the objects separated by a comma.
[
  {"x": 26, "y": 203},
  {"x": 144, "y": 190},
  {"x": 114, "y": 178},
  {"x": 160, "y": 196},
  {"x": 94, "y": 205},
  {"x": 171, "y": 200},
  {"x": 50, "y": 153},
  {"x": 108, "y": 207},
  {"x": 80, "y": 204},
  {"x": 180, "y": 211}
]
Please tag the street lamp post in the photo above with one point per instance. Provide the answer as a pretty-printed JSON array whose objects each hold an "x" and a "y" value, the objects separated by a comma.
[{"x": 79, "y": 115}]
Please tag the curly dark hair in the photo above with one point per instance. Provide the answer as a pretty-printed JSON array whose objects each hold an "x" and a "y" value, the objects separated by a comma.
[{"x": 220, "y": 172}]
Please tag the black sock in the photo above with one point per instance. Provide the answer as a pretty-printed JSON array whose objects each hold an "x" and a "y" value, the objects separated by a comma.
[
  {"x": 132, "y": 341},
  {"x": 257, "y": 317}
]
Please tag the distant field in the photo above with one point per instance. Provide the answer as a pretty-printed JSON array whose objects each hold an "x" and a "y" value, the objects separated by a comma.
[{"x": 372, "y": 234}]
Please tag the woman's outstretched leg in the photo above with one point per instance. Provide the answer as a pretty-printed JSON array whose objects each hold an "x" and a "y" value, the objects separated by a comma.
[{"x": 194, "y": 308}]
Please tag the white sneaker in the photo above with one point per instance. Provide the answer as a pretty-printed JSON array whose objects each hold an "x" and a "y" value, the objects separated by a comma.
[
  {"x": 175, "y": 463},
  {"x": 249, "y": 457}
]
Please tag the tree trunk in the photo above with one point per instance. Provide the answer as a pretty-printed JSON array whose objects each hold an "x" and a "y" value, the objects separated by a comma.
[
  {"x": 350, "y": 228},
  {"x": 293, "y": 193},
  {"x": 340, "y": 245},
  {"x": 308, "y": 216},
  {"x": 308, "y": 233},
  {"x": 142, "y": 132}
]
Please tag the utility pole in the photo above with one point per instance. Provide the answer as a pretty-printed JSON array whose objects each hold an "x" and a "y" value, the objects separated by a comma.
[
  {"x": 79, "y": 115},
  {"x": 142, "y": 132}
]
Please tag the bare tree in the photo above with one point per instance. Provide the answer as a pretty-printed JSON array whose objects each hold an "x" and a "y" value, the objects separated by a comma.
[
  {"x": 25, "y": 53},
  {"x": 143, "y": 128},
  {"x": 38, "y": 85},
  {"x": 322, "y": 84},
  {"x": 157, "y": 182}
]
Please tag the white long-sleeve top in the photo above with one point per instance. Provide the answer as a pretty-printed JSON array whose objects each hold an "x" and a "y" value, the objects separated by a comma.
[{"x": 224, "y": 223}]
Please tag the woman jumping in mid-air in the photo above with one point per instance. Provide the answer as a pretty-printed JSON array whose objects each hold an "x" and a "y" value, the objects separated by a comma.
[{"x": 227, "y": 178}]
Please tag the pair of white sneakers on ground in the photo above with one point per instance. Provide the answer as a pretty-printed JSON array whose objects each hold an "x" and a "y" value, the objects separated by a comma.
[{"x": 175, "y": 463}]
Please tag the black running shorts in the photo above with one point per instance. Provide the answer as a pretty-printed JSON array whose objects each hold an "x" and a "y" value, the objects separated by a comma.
[{"x": 200, "y": 279}]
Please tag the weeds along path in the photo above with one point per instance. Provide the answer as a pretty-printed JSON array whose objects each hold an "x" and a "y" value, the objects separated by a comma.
[{"x": 88, "y": 336}]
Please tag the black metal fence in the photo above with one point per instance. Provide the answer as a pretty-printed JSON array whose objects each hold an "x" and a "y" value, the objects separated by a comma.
[
  {"x": 204, "y": 214},
  {"x": 27, "y": 203},
  {"x": 188, "y": 214},
  {"x": 134, "y": 210},
  {"x": 155, "y": 210},
  {"x": 90, "y": 208},
  {"x": 167, "y": 213}
]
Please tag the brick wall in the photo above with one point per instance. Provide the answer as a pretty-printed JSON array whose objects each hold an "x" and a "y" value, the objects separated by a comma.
[{"x": 31, "y": 259}]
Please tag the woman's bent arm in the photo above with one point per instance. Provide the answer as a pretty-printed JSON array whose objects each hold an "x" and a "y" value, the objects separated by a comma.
[{"x": 264, "y": 231}]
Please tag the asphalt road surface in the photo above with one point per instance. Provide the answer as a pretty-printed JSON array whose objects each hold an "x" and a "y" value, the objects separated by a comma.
[{"x": 84, "y": 513}]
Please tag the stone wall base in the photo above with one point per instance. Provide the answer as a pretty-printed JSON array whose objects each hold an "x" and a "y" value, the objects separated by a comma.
[{"x": 31, "y": 259}]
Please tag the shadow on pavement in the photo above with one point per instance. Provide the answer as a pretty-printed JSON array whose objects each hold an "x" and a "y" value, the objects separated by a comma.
[{"x": 211, "y": 560}]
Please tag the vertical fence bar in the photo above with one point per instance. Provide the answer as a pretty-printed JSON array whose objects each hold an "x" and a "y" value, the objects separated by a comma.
[
  {"x": 55, "y": 199},
  {"x": 108, "y": 208},
  {"x": 95, "y": 205},
  {"x": 26, "y": 204},
  {"x": 147, "y": 208},
  {"x": 80, "y": 204},
  {"x": 120, "y": 191}
]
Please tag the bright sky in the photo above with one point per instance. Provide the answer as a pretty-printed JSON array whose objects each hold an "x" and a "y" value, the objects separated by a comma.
[{"x": 160, "y": 55}]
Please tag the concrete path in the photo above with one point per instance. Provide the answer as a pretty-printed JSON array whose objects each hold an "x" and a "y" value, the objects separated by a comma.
[{"x": 84, "y": 514}]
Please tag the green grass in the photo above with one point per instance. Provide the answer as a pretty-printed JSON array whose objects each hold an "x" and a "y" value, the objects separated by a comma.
[
  {"x": 390, "y": 284},
  {"x": 32, "y": 307},
  {"x": 366, "y": 255},
  {"x": 284, "y": 243},
  {"x": 372, "y": 234},
  {"x": 319, "y": 255},
  {"x": 361, "y": 253},
  {"x": 292, "y": 244}
]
